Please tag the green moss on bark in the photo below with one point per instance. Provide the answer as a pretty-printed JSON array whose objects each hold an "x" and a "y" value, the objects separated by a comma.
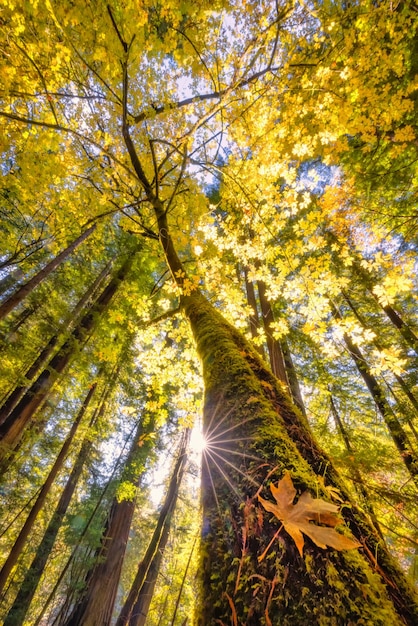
[{"x": 256, "y": 435}]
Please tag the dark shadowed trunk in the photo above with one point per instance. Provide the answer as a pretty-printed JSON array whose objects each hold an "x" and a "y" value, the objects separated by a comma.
[
  {"x": 46, "y": 352},
  {"x": 13, "y": 427},
  {"x": 30, "y": 520},
  {"x": 17, "y": 297},
  {"x": 394, "y": 426},
  {"x": 20, "y": 607}
]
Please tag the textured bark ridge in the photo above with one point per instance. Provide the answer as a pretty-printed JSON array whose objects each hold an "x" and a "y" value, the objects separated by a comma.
[{"x": 255, "y": 434}]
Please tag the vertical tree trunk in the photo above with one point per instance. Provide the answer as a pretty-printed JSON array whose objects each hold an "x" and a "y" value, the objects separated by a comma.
[
  {"x": 263, "y": 437},
  {"x": 395, "y": 428},
  {"x": 292, "y": 378},
  {"x": 27, "y": 527},
  {"x": 17, "y": 613},
  {"x": 252, "y": 302},
  {"x": 95, "y": 606},
  {"x": 257, "y": 435},
  {"x": 275, "y": 353},
  {"x": 13, "y": 427},
  {"x": 46, "y": 352},
  {"x": 136, "y": 607},
  {"x": 17, "y": 297}
]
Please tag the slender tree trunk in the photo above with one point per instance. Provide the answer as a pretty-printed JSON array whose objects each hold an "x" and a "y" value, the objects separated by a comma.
[
  {"x": 17, "y": 420},
  {"x": 18, "y": 392},
  {"x": 403, "y": 385},
  {"x": 136, "y": 607},
  {"x": 252, "y": 302},
  {"x": 17, "y": 613},
  {"x": 256, "y": 436},
  {"x": 95, "y": 606},
  {"x": 275, "y": 353},
  {"x": 17, "y": 297},
  {"x": 358, "y": 479},
  {"x": 27, "y": 527},
  {"x": 292, "y": 377},
  {"x": 395, "y": 428}
]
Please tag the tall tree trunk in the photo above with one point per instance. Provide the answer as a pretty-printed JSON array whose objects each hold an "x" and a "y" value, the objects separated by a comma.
[
  {"x": 136, "y": 607},
  {"x": 17, "y": 613},
  {"x": 252, "y": 302},
  {"x": 403, "y": 385},
  {"x": 395, "y": 428},
  {"x": 292, "y": 377},
  {"x": 243, "y": 399},
  {"x": 268, "y": 437},
  {"x": 17, "y": 297},
  {"x": 30, "y": 520},
  {"x": 46, "y": 352},
  {"x": 275, "y": 353},
  {"x": 357, "y": 477},
  {"x": 13, "y": 427},
  {"x": 95, "y": 606}
]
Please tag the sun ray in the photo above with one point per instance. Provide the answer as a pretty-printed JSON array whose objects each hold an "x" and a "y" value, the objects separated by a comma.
[
  {"x": 222, "y": 472},
  {"x": 237, "y": 469},
  {"x": 250, "y": 457},
  {"x": 212, "y": 484}
]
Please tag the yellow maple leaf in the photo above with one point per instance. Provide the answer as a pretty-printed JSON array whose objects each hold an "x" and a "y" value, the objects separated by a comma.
[{"x": 297, "y": 518}]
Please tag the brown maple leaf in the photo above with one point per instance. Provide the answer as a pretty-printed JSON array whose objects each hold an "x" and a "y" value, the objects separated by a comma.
[{"x": 297, "y": 518}]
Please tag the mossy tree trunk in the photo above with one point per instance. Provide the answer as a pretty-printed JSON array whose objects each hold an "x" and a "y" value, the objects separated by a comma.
[
  {"x": 94, "y": 606},
  {"x": 255, "y": 434}
]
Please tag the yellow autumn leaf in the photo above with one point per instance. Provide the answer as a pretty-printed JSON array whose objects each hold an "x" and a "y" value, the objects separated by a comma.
[{"x": 297, "y": 518}]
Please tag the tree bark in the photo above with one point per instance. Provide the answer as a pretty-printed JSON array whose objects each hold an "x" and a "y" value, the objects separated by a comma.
[
  {"x": 18, "y": 611},
  {"x": 30, "y": 520},
  {"x": 396, "y": 430},
  {"x": 18, "y": 392},
  {"x": 265, "y": 436},
  {"x": 17, "y": 420},
  {"x": 252, "y": 302},
  {"x": 17, "y": 297},
  {"x": 95, "y": 605},
  {"x": 268, "y": 437},
  {"x": 136, "y": 607},
  {"x": 275, "y": 353}
]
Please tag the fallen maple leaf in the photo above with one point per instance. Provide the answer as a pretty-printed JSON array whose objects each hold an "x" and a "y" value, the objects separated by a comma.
[{"x": 297, "y": 518}]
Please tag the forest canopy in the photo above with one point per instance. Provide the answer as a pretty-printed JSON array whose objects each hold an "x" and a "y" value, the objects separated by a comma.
[{"x": 208, "y": 283}]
